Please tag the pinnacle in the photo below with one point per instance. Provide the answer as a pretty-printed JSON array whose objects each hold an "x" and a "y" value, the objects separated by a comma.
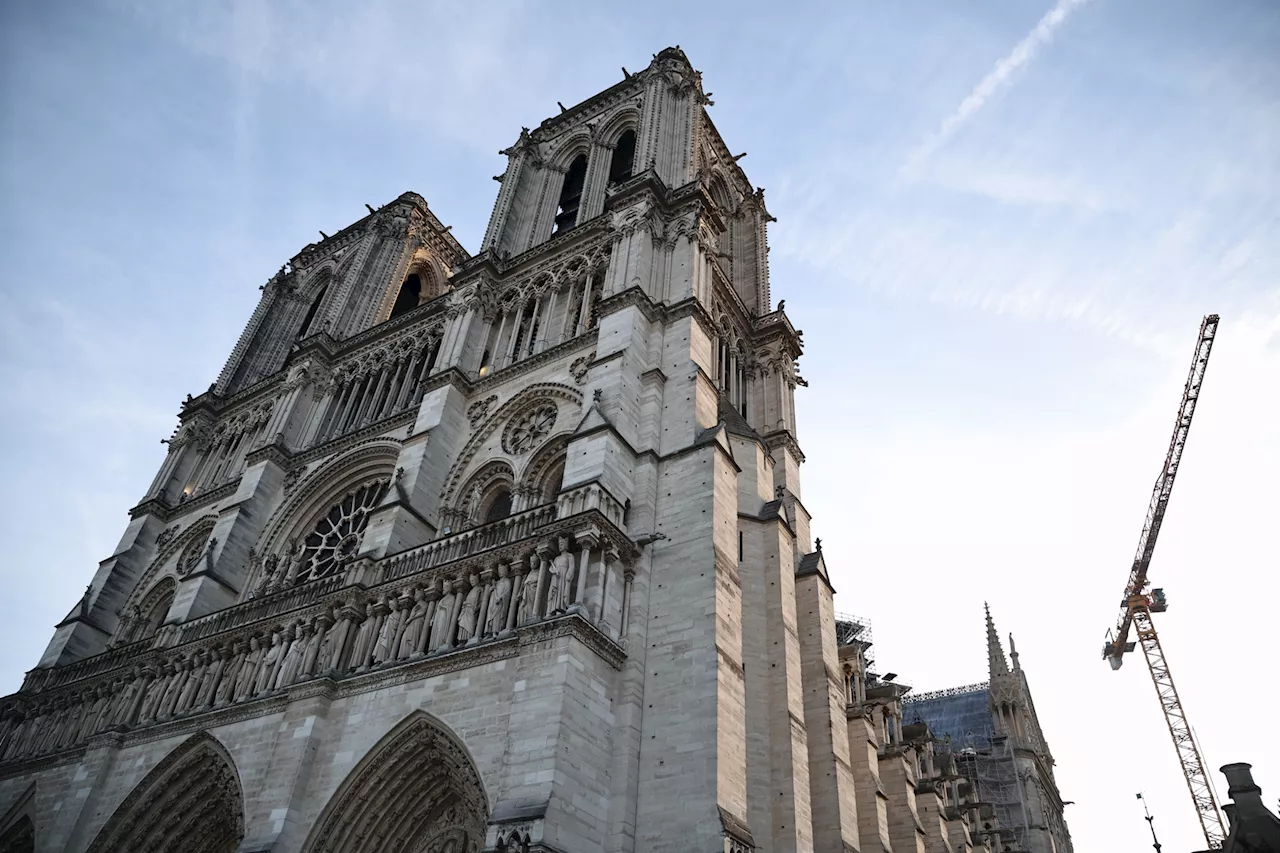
[{"x": 996, "y": 663}]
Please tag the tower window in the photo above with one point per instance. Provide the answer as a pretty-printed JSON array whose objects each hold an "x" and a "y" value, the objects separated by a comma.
[
  {"x": 305, "y": 328},
  {"x": 624, "y": 158},
  {"x": 410, "y": 295},
  {"x": 571, "y": 194}
]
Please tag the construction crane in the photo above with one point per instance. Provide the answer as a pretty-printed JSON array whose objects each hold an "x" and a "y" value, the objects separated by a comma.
[{"x": 1139, "y": 603}]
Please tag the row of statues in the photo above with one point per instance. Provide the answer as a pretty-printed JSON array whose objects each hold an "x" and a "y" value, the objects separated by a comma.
[{"x": 353, "y": 636}]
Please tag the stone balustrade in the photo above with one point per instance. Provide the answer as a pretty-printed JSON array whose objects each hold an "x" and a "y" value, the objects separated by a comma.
[{"x": 467, "y": 591}]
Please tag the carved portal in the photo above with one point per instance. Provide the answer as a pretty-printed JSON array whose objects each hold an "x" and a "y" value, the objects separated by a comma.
[
  {"x": 191, "y": 802},
  {"x": 416, "y": 791}
]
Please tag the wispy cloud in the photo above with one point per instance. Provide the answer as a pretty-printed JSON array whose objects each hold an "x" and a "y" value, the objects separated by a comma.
[{"x": 998, "y": 78}]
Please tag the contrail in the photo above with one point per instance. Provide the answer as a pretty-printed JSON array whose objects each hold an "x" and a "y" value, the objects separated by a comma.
[{"x": 999, "y": 77}]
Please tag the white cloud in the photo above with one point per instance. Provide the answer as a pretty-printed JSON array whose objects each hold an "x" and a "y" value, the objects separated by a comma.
[{"x": 998, "y": 78}]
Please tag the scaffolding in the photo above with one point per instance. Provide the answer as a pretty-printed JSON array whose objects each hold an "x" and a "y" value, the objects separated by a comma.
[
  {"x": 961, "y": 717},
  {"x": 855, "y": 630}
]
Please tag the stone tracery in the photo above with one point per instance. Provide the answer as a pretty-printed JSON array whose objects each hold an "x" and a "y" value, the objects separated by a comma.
[
  {"x": 417, "y": 790},
  {"x": 336, "y": 536},
  {"x": 191, "y": 801}
]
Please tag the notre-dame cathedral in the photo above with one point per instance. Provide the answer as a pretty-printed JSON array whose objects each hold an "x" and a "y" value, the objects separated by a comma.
[{"x": 503, "y": 551}]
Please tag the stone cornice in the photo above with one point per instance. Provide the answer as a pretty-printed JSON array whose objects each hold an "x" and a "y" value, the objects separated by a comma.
[
  {"x": 783, "y": 438},
  {"x": 163, "y": 511}
]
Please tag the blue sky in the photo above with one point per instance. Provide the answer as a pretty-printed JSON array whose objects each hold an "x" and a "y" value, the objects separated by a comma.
[{"x": 999, "y": 225}]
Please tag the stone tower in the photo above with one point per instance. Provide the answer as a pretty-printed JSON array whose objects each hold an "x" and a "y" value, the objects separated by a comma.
[{"x": 492, "y": 552}]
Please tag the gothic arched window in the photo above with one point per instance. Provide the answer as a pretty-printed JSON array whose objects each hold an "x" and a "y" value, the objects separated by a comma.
[
  {"x": 409, "y": 297},
  {"x": 499, "y": 506},
  {"x": 571, "y": 194},
  {"x": 624, "y": 158},
  {"x": 335, "y": 539}
]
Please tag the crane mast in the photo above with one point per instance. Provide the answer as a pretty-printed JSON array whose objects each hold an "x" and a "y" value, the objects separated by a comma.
[{"x": 1138, "y": 604}]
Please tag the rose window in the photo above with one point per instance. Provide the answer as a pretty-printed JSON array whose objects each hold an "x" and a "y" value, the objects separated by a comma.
[
  {"x": 530, "y": 428},
  {"x": 190, "y": 559},
  {"x": 335, "y": 540}
]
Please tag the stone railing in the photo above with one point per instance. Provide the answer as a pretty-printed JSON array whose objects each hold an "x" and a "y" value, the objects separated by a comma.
[
  {"x": 256, "y": 609},
  {"x": 379, "y": 614},
  {"x": 588, "y": 497},
  {"x": 466, "y": 543}
]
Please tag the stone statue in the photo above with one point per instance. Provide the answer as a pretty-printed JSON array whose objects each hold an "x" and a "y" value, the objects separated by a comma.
[
  {"x": 529, "y": 595},
  {"x": 151, "y": 701},
  {"x": 212, "y": 674},
  {"x": 331, "y": 646},
  {"x": 120, "y": 709},
  {"x": 267, "y": 669},
  {"x": 174, "y": 689},
  {"x": 364, "y": 637},
  {"x": 248, "y": 671},
  {"x": 293, "y": 559},
  {"x": 415, "y": 624},
  {"x": 382, "y": 649},
  {"x": 268, "y": 574},
  {"x": 441, "y": 622},
  {"x": 499, "y": 602},
  {"x": 561, "y": 581},
  {"x": 231, "y": 675},
  {"x": 469, "y": 611},
  {"x": 192, "y": 686},
  {"x": 122, "y": 626},
  {"x": 292, "y": 663}
]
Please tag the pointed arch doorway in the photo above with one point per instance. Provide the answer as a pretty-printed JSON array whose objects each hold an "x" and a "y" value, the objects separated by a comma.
[
  {"x": 191, "y": 801},
  {"x": 416, "y": 791}
]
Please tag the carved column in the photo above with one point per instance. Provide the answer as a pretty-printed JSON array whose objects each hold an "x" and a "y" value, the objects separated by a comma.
[
  {"x": 607, "y": 558},
  {"x": 586, "y": 541},
  {"x": 629, "y": 576},
  {"x": 482, "y": 616}
]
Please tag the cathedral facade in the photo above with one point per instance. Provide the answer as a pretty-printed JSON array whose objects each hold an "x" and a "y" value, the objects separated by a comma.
[{"x": 491, "y": 552}]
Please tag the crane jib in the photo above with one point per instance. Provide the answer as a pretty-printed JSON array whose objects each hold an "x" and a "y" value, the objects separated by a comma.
[{"x": 1137, "y": 581}]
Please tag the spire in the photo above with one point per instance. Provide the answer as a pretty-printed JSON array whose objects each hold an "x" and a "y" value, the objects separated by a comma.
[
  {"x": 996, "y": 663},
  {"x": 1013, "y": 654}
]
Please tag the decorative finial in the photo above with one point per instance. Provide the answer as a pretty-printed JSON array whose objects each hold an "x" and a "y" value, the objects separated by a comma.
[
  {"x": 817, "y": 543},
  {"x": 597, "y": 394}
]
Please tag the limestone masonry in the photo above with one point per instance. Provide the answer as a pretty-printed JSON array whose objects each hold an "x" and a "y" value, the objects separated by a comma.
[{"x": 506, "y": 552}]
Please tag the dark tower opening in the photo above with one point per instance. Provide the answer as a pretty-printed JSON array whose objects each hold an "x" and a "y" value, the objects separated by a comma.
[
  {"x": 624, "y": 158},
  {"x": 571, "y": 194},
  {"x": 305, "y": 328},
  {"x": 410, "y": 295}
]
